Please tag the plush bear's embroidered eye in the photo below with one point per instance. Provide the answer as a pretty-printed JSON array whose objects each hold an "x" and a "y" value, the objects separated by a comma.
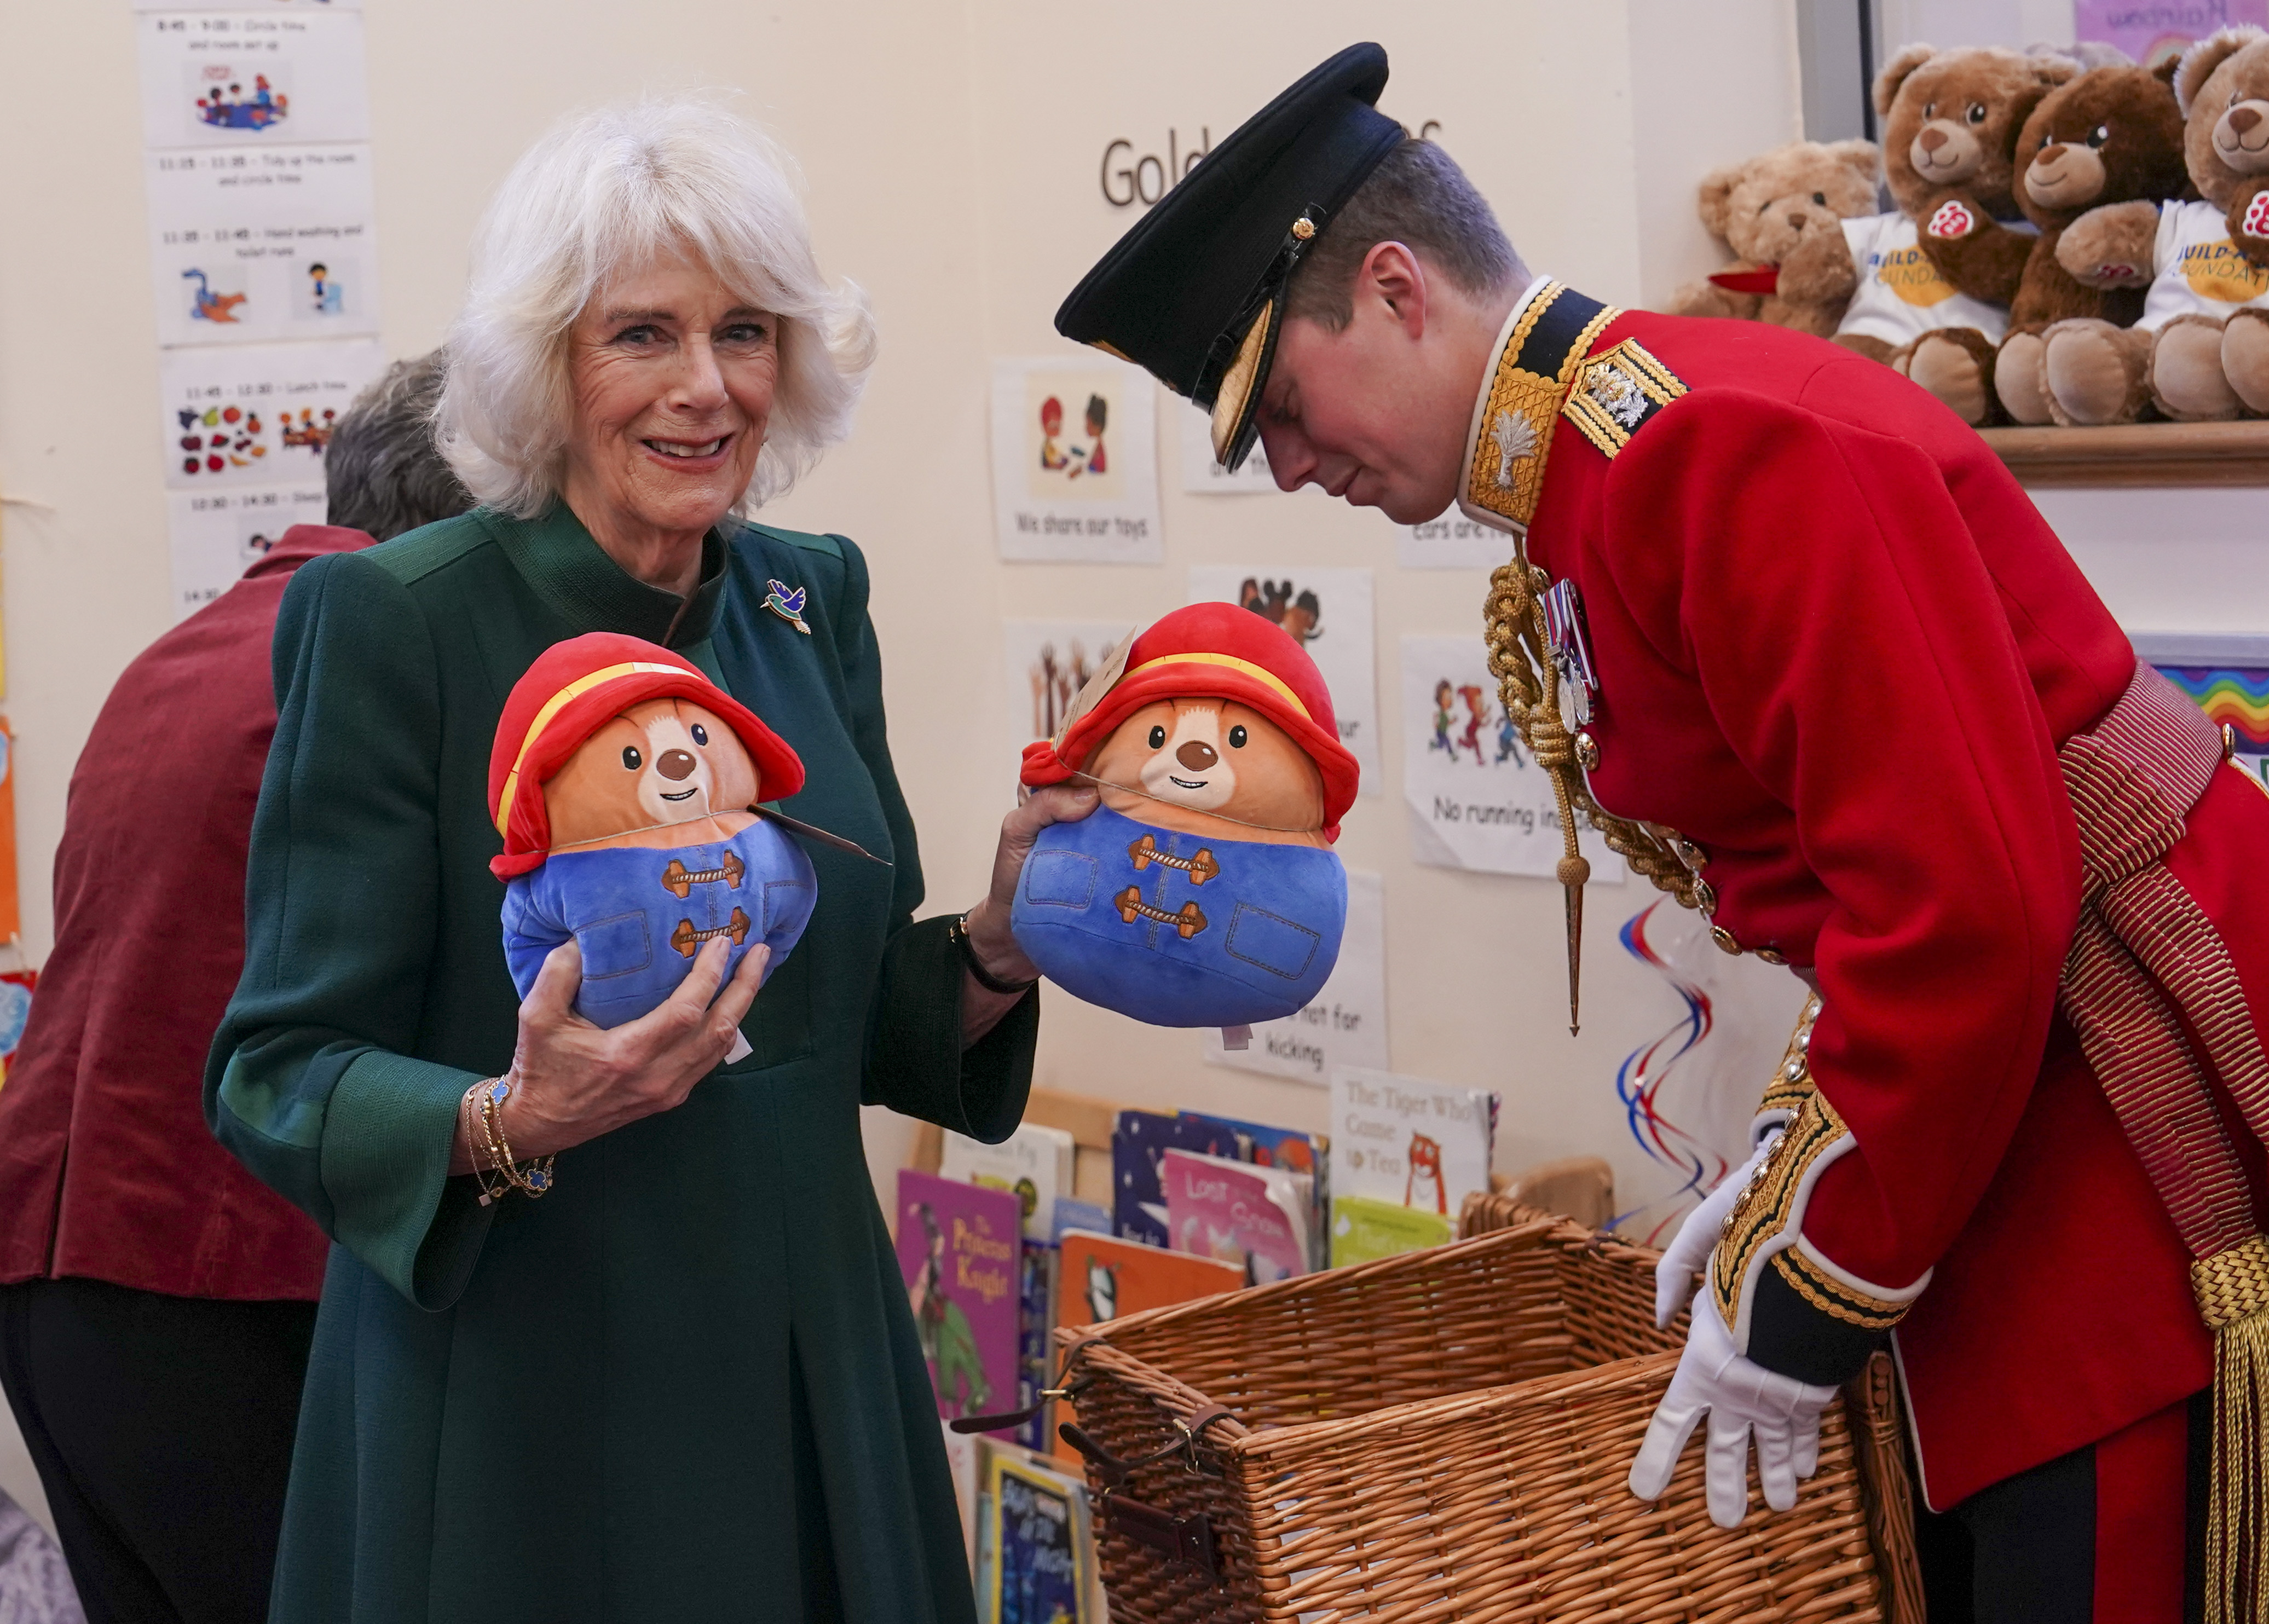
[
  {"x": 700, "y": 733},
  {"x": 1157, "y": 738},
  {"x": 2234, "y": 98},
  {"x": 1930, "y": 109},
  {"x": 1977, "y": 112},
  {"x": 631, "y": 759},
  {"x": 2098, "y": 136},
  {"x": 1820, "y": 198},
  {"x": 1237, "y": 738}
]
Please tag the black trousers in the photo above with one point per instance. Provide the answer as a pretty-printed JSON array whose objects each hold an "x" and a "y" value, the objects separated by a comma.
[{"x": 162, "y": 1430}]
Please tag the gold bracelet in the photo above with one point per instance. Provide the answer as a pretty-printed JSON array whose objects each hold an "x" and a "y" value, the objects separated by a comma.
[
  {"x": 467, "y": 1117},
  {"x": 532, "y": 1178}
]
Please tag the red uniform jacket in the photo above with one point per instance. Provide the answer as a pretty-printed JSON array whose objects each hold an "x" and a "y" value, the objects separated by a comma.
[
  {"x": 106, "y": 1169},
  {"x": 1838, "y": 646}
]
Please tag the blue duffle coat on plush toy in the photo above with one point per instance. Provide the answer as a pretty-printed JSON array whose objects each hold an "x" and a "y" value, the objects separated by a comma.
[
  {"x": 640, "y": 914},
  {"x": 1179, "y": 929},
  {"x": 1202, "y": 892}
]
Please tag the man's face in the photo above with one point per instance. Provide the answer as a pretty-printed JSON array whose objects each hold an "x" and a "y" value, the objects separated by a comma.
[{"x": 1363, "y": 412}]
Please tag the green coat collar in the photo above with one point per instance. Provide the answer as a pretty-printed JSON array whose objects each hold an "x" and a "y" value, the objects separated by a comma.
[{"x": 574, "y": 576}]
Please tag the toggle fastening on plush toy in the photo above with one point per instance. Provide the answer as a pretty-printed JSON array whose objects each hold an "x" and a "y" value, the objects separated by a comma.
[
  {"x": 1204, "y": 891},
  {"x": 625, "y": 784}
]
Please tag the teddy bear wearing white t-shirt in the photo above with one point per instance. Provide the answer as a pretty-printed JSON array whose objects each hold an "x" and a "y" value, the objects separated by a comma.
[{"x": 2200, "y": 350}]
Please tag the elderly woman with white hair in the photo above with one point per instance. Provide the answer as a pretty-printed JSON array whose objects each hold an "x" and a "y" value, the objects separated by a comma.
[{"x": 686, "y": 1383}]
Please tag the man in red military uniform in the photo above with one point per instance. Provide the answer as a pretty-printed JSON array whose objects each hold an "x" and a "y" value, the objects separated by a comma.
[
  {"x": 158, "y": 1300},
  {"x": 1813, "y": 661}
]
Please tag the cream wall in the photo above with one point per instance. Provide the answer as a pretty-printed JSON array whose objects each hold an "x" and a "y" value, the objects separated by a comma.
[{"x": 951, "y": 155}]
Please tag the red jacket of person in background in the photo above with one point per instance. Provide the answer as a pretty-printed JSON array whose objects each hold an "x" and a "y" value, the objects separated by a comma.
[{"x": 108, "y": 1170}]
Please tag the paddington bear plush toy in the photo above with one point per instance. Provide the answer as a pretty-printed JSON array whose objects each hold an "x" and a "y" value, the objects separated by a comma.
[
  {"x": 1204, "y": 890},
  {"x": 625, "y": 784}
]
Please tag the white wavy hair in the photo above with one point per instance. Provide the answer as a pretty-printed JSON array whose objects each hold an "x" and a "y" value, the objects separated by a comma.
[{"x": 605, "y": 194}]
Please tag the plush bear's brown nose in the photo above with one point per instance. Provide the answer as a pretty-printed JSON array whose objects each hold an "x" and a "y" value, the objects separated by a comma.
[
  {"x": 1797, "y": 220},
  {"x": 2051, "y": 154},
  {"x": 2243, "y": 118},
  {"x": 674, "y": 764},
  {"x": 1197, "y": 756},
  {"x": 1933, "y": 139}
]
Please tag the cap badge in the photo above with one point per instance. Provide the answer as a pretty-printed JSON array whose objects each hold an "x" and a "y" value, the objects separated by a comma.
[
  {"x": 788, "y": 603},
  {"x": 1304, "y": 228}
]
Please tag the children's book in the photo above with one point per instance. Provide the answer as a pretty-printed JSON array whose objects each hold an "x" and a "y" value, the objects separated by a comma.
[
  {"x": 1072, "y": 1214},
  {"x": 1363, "y": 1229},
  {"x": 1035, "y": 1317},
  {"x": 959, "y": 1250},
  {"x": 1409, "y": 1142},
  {"x": 1034, "y": 1162},
  {"x": 1296, "y": 1152},
  {"x": 1256, "y": 1217},
  {"x": 1138, "y": 1194},
  {"x": 1101, "y": 1277},
  {"x": 1041, "y": 1546}
]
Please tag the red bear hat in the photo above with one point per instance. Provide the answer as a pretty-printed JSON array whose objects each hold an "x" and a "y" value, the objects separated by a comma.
[
  {"x": 573, "y": 689},
  {"x": 1215, "y": 650}
]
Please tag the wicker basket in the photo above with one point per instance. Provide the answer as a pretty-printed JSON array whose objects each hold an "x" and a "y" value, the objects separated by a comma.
[{"x": 1445, "y": 1436}]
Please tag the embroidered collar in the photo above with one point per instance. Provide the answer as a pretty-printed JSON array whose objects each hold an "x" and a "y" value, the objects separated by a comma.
[{"x": 1538, "y": 355}]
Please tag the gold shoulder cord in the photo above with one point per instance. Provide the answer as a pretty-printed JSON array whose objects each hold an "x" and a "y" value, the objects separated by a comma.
[{"x": 1506, "y": 477}]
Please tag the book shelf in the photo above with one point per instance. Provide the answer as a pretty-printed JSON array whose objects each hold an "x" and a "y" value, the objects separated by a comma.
[{"x": 2137, "y": 453}]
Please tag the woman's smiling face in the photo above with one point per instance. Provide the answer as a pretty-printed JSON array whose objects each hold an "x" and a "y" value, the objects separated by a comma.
[{"x": 672, "y": 376}]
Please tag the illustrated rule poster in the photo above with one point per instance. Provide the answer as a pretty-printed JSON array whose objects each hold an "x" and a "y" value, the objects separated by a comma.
[
  {"x": 1328, "y": 612},
  {"x": 1046, "y": 663},
  {"x": 1076, "y": 460},
  {"x": 255, "y": 243},
  {"x": 257, "y": 414},
  {"x": 1476, "y": 798},
  {"x": 252, "y": 79},
  {"x": 1452, "y": 542},
  {"x": 1202, "y": 476},
  {"x": 217, "y": 534},
  {"x": 1345, "y": 1024}
]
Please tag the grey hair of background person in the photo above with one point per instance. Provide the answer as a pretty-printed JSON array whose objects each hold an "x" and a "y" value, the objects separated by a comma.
[
  {"x": 381, "y": 470},
  {"x": 603, "y": 194}
]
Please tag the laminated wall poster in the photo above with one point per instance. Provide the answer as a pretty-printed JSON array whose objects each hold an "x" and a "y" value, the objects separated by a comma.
[
  {"x": 252, "y": 77},
  {"x": 2228, "y": 677},
  {"x": 2152, "y": 31},
  {"x": 1076, "y": 460},
  {"x": 257, "y": 243},
  {"x": 1344, "y": 1024},
  {"x": 1328, "y": 613}
]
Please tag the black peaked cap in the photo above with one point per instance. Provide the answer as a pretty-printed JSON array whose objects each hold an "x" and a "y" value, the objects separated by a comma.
[{"x": 1194, "y": 292}]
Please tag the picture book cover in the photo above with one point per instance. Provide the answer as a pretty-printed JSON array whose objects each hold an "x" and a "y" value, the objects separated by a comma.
[
  {"x": 1363, "y": 1229},
  {"x": 1297, "y": 1151},
  {"x": 1138, "y": 1194},
  {"x": 959, "y": 1253},
  {"x": 1034, "y": 1163},
  {"x": 1040, "y": 1546},
  {"x": 1103, "y": 1277},
  {"x": 1036, "y": 1306},
  {"x": 1410, "y": 1142},
  {"x": 1256, "y": 1217},
  {"x": 1072, "y": 1214}
]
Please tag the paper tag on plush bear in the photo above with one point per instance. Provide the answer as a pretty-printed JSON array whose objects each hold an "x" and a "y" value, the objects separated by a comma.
[
  {"x": 1106, "y": 678},
  {"x": 1952, "y": 220}
]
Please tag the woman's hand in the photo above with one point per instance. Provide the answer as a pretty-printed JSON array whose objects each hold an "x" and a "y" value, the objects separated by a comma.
[
  {"x": 573, "y": 1081},
  {"x": 989, "y": 934}
]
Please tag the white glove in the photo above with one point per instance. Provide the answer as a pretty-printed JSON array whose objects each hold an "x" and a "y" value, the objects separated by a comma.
[{"x": 1698, "y": 1236}]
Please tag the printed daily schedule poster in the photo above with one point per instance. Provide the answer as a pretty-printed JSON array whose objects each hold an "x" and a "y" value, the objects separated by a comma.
[
  {"x": 255, "y": 243},
  {"x": 252, "y": 79},
  {"x": 218, "y": 533},
  {"x": 1076, "y": 460},
  {"x": 237, "y": 5},
  {"x": 1452, "y": 542},
  {"x": 257, "y": 414},
  {"x": 1476, "y": 800},
  {"x": 1345, "y": 1024},
  {"x": 1328, "y": 613}
]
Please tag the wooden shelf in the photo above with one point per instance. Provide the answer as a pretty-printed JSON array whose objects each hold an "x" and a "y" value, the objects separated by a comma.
[{"x": 2137, "y": 453}]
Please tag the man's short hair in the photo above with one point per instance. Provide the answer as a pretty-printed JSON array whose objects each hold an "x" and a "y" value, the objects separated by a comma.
[
  {"x": 382, "y": 472},
  {"x": 1419, "y": 197}
]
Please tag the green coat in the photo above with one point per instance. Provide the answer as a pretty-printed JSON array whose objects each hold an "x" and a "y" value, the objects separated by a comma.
[{"x": 686, "y": 1383}]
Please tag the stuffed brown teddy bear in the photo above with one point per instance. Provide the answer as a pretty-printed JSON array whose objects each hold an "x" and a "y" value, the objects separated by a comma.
[
  {"x": 1936, "y": 276},
  {"x": 2099, "y": 153},
  {"x": 1780, "y": 213},
  {"x": 2200, "y": 350}
]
